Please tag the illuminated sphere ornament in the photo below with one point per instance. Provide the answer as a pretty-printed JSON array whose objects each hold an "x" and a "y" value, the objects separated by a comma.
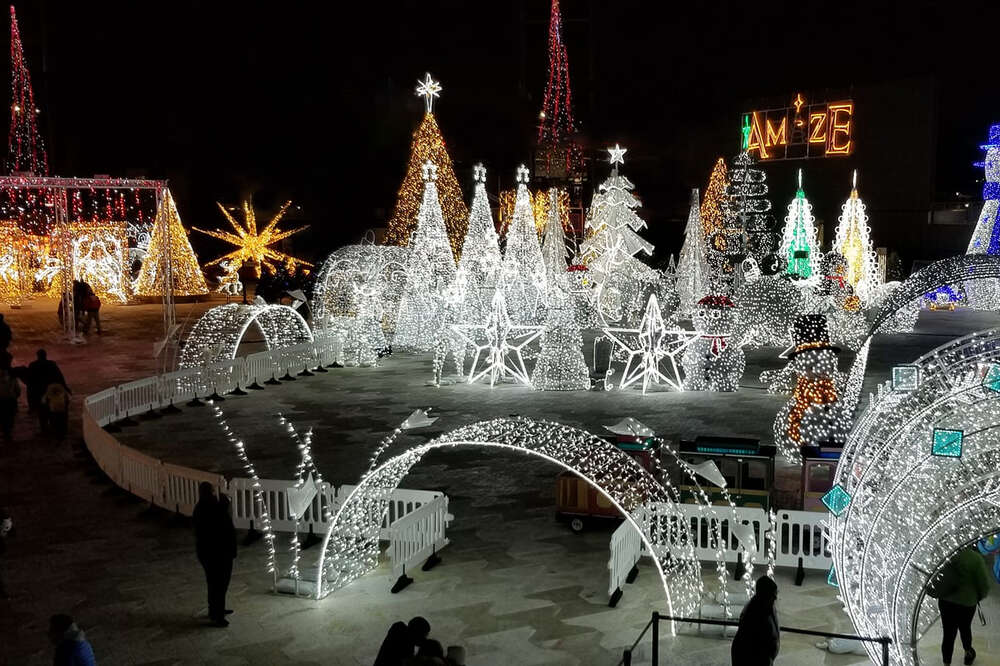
[{"x": 920, "y": 469}]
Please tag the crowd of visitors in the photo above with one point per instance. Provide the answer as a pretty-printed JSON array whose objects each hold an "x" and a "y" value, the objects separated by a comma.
[{"x": 410, "y": 645}]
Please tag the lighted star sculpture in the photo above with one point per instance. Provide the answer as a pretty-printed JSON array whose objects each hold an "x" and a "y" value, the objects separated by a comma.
[
  {"x": 254, "y": 246},
  {"x": 647, "y": 346},
  {"x": 502, "y": 353},
  {"x": 617, "y": 154},
  {"x": 429, "y": 89}
]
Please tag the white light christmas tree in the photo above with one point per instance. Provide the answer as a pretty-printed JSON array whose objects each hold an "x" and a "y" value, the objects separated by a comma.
[
  {"x": 692, "y": 269},
  {"x": 798, "y": 241},
  {"x": 522, "y": 274},
  {"x": 853, "y": 241},
  {"x": 554, "y": 252},
  {"x": 499, "y": 344},
  {"x": 430, "y": 272},
  {"x": 561, "y": 366},
  {"x": 750, "y": 208},
  {"x": 479, "y": 266}
]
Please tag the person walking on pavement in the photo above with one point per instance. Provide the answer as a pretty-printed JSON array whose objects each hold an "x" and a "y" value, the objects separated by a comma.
[
  {"x": 215, "y": 545},
  {"x": 10, "y": 390},
  {"x": 40, "y": 374},
  {"x": 5, "y": 334},
  {"x": 961, "y": 585},
  {"x": 758, "y": 637},
  {"x": 92, "y": 311}
]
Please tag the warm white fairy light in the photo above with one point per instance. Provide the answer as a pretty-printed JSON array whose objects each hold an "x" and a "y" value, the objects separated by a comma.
[
  {"x": 351, "y": 547},
  {"x": 229, "y": 282},
  {"x": 430, "y": 271},
  {"x": 522, "y": 273},
  {"x": 217, "y": 335},
  {"x": 99, "y": 255},
  {"x": 499, "y": 344},
  {"x": 480, "y": 262},
  {"x": 923, "y": 464},
  {"x": 853, "y": 241},
  {"x": 646, "y": 347},
  {"x": 713, "y": 362}
]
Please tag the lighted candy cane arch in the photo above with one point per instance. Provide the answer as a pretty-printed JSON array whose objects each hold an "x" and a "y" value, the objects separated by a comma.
[
  {"x": 918, "y": 479},
  {"x": 351, "y": 548}
]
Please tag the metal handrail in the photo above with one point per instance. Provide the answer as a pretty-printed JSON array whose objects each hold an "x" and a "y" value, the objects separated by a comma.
[{"x": 656, "y": 618}]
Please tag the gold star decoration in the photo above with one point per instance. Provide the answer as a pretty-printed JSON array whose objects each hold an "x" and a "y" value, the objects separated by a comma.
[{"x": 254, "y": 246}]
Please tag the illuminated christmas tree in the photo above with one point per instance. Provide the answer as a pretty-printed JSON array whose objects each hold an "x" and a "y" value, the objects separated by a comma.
[
  {"x": 554, "y": 252},
  {"x": 798, "y": 242},
  {"x": 25, "y": 147},
  {"x": 428, "y": 145},
  {"x": 430, "y": 273},
  {"x": 750, "y": 207},
  {"x": 853, "y": 241},
  {"x": 523, "y": 271},
  {"x": 713, "y": 208},
  {"x": 479, "y": 267},
  {"x": 561, "y": 366},
  {"x": 692, "y": 269},
  {"x": 560, "y": 152},
  {"x": 187, "y": 277}
]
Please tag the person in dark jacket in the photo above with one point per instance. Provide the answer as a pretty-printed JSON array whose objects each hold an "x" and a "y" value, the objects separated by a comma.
[
  {"x": 961, "y": 585},
  {"x": 72, "y": 648},
  {"x": 401, "y": 641},
  {"x": 758, "y": 638},
  {"x": 215, "y": 545},
  {"x": 5, "y": 334},
  {"x": 40, "y": 373}
]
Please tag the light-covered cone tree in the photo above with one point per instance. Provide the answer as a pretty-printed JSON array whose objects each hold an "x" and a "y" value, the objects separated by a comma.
[
  {"x": 522, "y": 274},
  {"x": 554, "y": 252},
  {"x": 751, "y": 209},
  {"x": 479, "y": 266},
  {"x": 430, "y": 272},
  {"x": 561, "y": 366},
  {"x": 692, "y": 269},
  {"x": 798, "y": 241},
  {"x": 169, "y": 235},
  {"x": 428, "y": 145},
  {"x": 853, "y": 241}
]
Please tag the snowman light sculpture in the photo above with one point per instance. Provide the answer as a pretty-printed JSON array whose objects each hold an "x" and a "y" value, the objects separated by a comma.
[
  {"x": 813, "y": 415},
  {"x": 714, "y": 362}
]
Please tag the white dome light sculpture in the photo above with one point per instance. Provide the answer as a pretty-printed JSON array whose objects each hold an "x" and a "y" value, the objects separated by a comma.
[{"x": 218, "y": 334}]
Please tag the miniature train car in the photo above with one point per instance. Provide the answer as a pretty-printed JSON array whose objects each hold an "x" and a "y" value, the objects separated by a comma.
[{"x": 747, "y": 465}]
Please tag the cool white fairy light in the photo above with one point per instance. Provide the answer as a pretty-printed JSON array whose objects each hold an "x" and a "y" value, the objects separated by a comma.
[
  {"x": 692, "y": 268},
  {"x": 522, "y": 274},
  {"x": 480, "y": 262},
  {"x": 896, "y": 478},
  {"x": 351, "y": 546},
  {"x": 560, "y": 365},
  {"x": 360, "y": 270},
  {"x": 499, "y": 344}
]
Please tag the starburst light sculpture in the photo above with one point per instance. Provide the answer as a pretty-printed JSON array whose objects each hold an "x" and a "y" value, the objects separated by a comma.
[{"x": 254, "y": 246}]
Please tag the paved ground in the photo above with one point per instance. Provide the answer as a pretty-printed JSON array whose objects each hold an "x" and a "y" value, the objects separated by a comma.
[{"x": 515, "y": 587}]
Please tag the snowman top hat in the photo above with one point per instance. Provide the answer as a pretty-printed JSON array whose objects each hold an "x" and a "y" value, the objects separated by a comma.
[{"x": 810, "y": 333}]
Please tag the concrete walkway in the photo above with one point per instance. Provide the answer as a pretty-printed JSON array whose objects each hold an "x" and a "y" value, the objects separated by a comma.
[{"x": 514, "y": 588}]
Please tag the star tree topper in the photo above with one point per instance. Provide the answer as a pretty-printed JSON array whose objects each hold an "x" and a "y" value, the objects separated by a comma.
[
  {"x": 501, "y": 354},
  {"x": 429, "y": 89},
  {"x": 430, "y": 171},
  {"x": 617, "y": 154},
  {"x": 654, "y": 342}
]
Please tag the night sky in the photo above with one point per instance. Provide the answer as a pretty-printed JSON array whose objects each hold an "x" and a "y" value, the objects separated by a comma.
[{"x": 314, "y": 101}]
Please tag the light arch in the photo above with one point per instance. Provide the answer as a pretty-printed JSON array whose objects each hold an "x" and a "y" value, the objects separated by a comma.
[
  {"x": 217, "y": 335},
  {"x": 898, "y": 486},
  {"x": 350, "y": 548},
  {"x": 944, "y": 273}
]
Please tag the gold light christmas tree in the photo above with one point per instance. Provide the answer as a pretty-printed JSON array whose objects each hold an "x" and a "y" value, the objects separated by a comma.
[
  {"x": 254, "y": 246},
  {"x": 428, "y": 145},
  {"x": 713, "y": 205},
  {"x": 187, "y": 276}
]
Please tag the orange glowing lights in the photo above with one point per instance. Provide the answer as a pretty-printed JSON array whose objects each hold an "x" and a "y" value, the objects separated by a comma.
[{"x": 820, "y": 129}]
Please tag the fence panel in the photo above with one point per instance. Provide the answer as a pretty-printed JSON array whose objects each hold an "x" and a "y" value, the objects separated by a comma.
[
  {"x": 626, "y": 549},
  {"x": 802, "y": 534},
  {"x": 103, "y": 447},
  {"x": 416, "y": 536},
  {"x": 103, "y": 406},
  {"x": 257, "y": 368},
  {"x": 180, "y": 487},
  {"x": 701, "y": 523},
  {"x": 140, "y": 474},
  {"x": 138, "y": 397},
  {"x": 182, "y": 385}
]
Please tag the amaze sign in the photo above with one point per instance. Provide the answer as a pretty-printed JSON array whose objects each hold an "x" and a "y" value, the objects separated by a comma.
[{"x": 801, "y": 131}]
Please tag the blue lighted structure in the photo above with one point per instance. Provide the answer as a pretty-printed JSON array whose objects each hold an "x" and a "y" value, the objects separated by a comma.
[
  {"x": 836, "y": 500},
  {"x": 986, "y": 237},
  {"x": 947, "y": 443}
]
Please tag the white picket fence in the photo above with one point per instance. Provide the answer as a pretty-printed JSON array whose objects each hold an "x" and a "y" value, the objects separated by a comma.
[{"x": 798, "y": 534}]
